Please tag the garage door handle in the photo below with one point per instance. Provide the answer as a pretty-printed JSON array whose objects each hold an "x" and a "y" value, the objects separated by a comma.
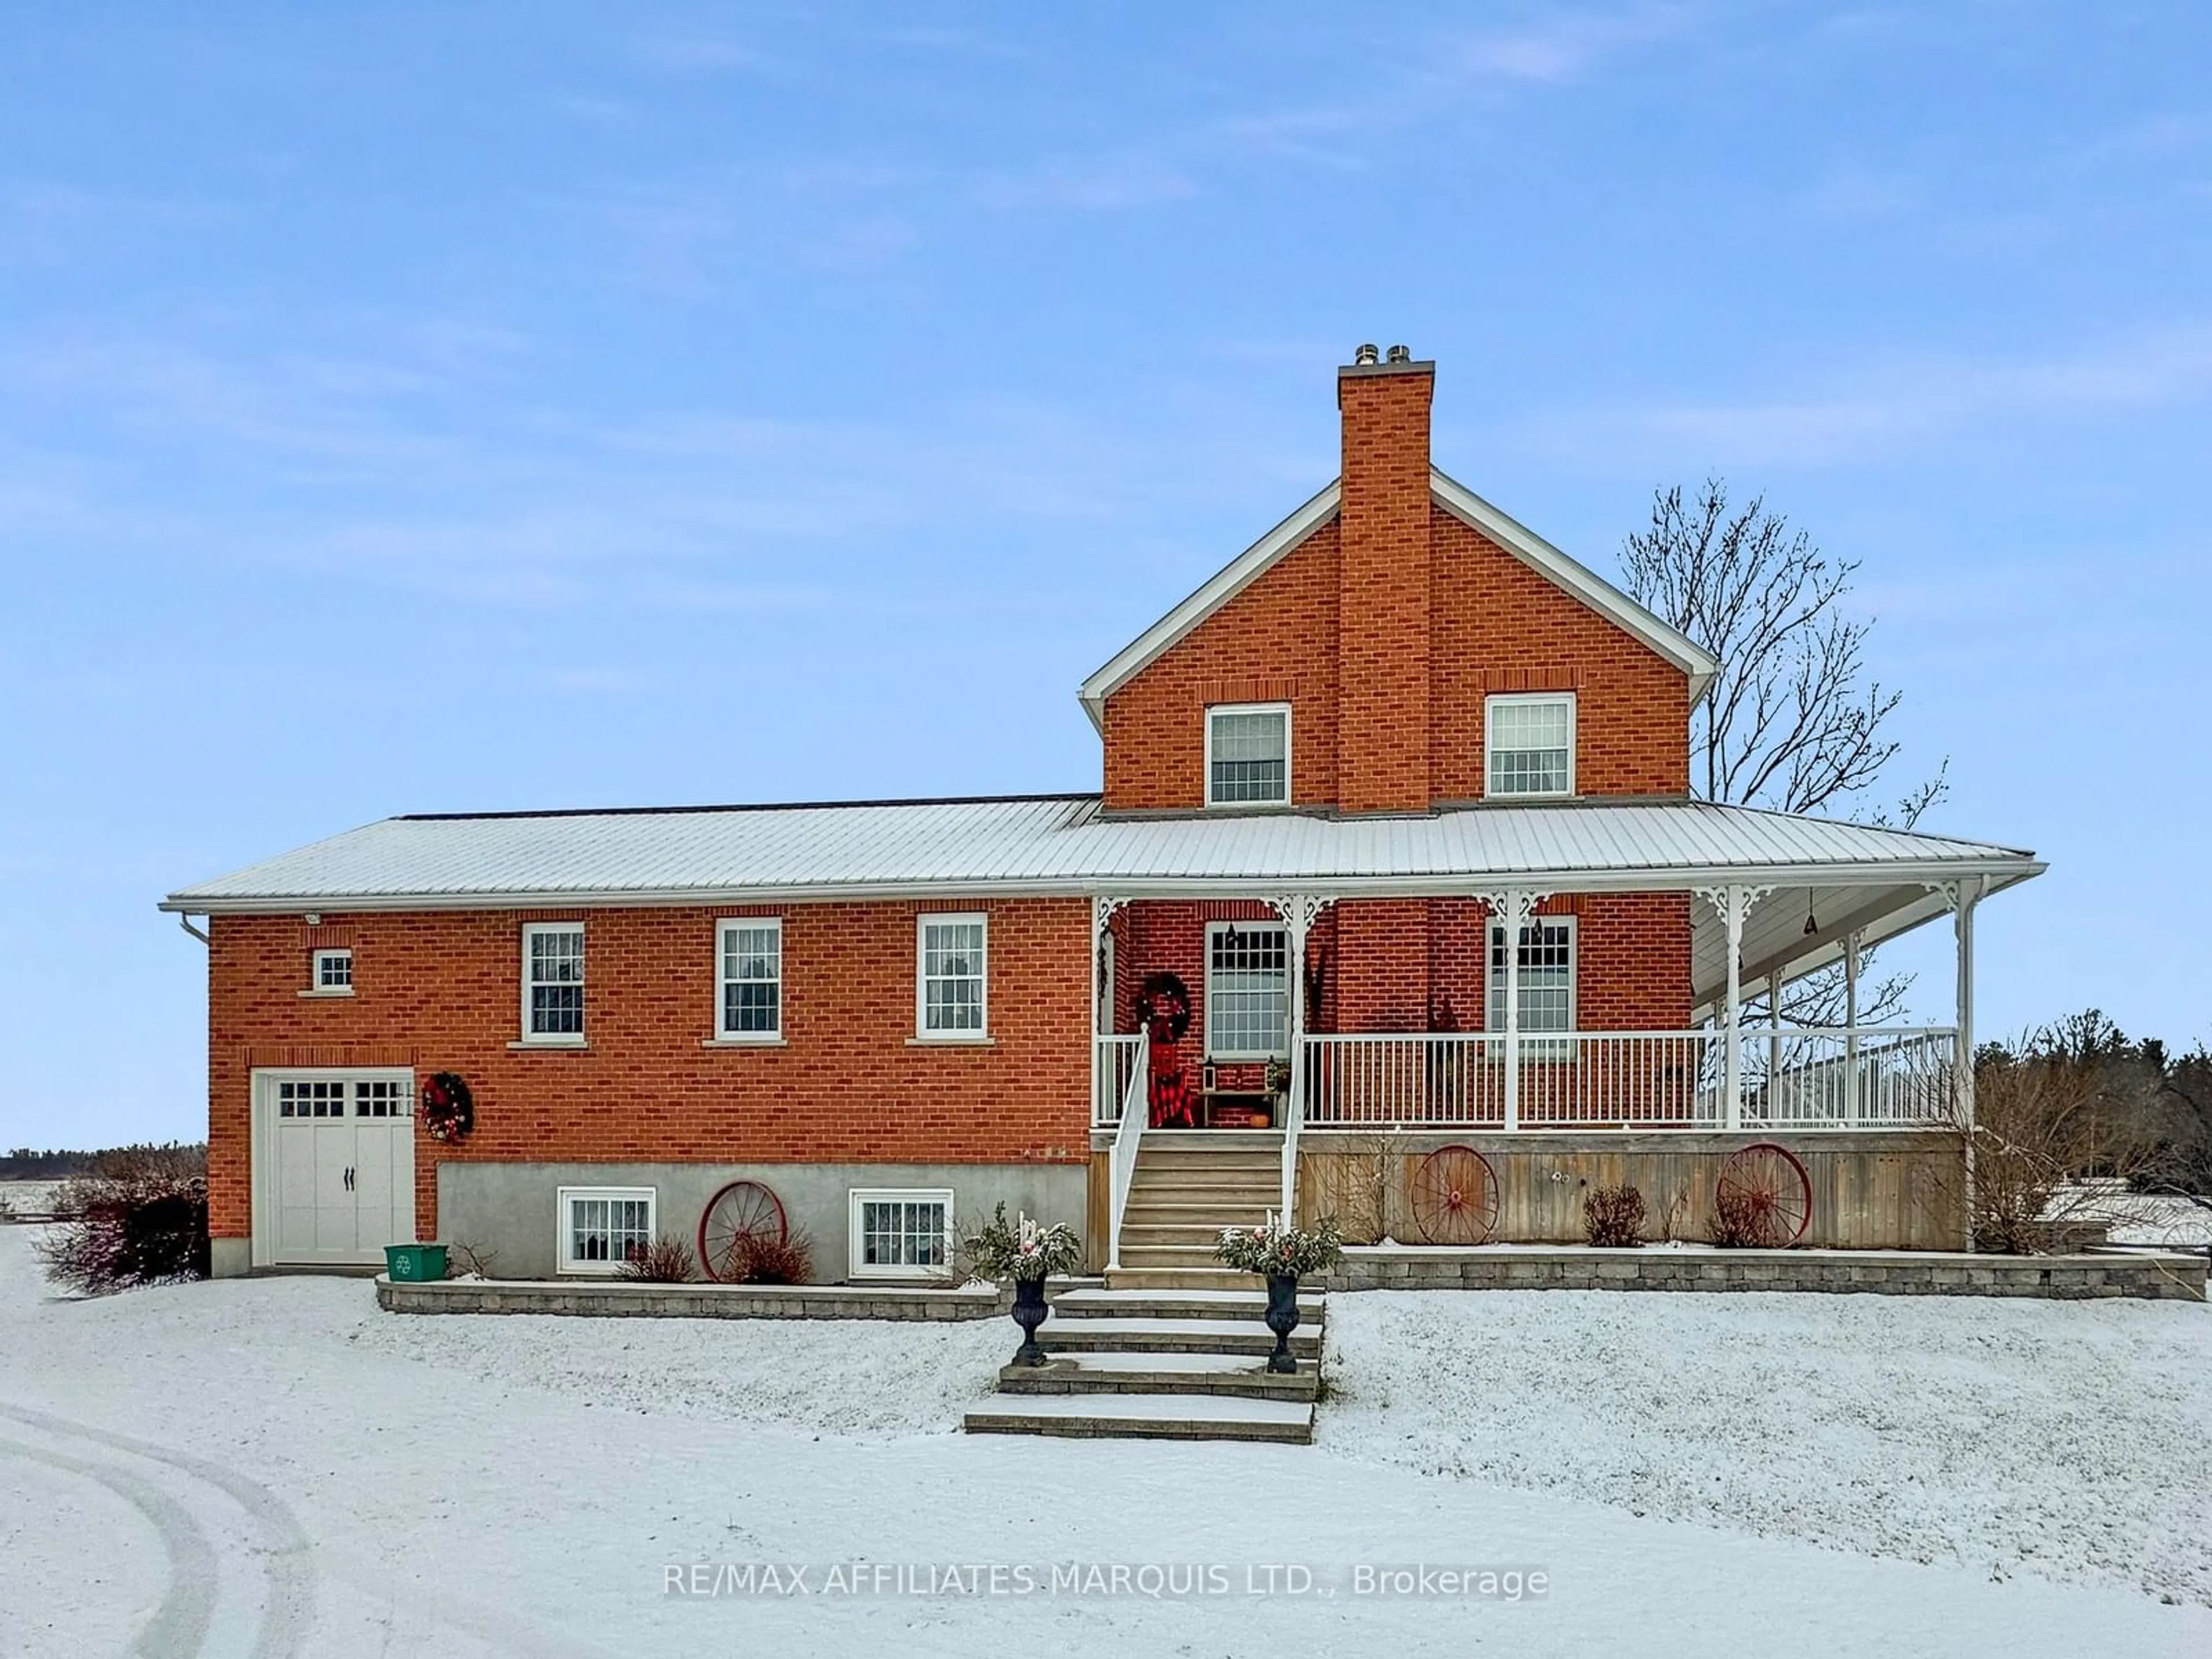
[{"x": 349, "y": 1178}]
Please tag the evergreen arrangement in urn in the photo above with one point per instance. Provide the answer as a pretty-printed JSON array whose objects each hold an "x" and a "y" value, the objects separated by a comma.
[
  {"x": 1280, "y": 1250},
  {"x": 1022, "y": 1248}
]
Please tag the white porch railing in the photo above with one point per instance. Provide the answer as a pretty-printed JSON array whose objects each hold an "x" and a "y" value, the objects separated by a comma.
[
  {"x": 1799, "y": 1077},
  {"x": 1129, "y": 1130},
  {"x": 1117, "y": 1058},
  {"x": 1834, "y": 1078}
]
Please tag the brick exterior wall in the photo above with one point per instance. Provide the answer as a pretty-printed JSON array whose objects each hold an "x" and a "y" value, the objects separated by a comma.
[{"x": 440, "y": 991}]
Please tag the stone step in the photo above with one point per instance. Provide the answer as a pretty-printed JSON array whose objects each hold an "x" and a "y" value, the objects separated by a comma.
[
  {"x": 1144, "y": 1416},
  {"x": 1213, "y": 1277},
  {"x": 1242, "y": 1375},
  {"x": 1164, "y": 1335},
  {"x": 1234, "y": 1298}
]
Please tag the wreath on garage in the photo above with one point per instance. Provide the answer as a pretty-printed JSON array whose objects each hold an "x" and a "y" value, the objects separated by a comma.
[{"x": 448, "y": 1113}]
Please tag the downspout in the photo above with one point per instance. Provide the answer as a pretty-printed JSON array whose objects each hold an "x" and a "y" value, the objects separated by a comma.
[{"x": 185, "y": 923}]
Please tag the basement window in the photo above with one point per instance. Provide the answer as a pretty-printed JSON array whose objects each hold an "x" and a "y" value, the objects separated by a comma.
[
  {"x": 1247, "y": 754},
  {"x": 1532, "y": 743},
  {"x": 900, "y": 1233},
  {"x": 602, "y": 1227}
]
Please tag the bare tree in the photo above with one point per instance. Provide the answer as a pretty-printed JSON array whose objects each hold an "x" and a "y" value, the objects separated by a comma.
[{"x": 1794, "y": 721}]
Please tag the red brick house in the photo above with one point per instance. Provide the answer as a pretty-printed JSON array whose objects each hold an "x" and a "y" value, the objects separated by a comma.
[{"x": 1397, "y": 727}]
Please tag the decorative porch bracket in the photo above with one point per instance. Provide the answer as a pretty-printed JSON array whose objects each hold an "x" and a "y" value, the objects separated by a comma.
[
  {"x": 1512, "y": 908},
  {"x": 1298, "y": 911},
  {"x": 1733, "y": 905}
]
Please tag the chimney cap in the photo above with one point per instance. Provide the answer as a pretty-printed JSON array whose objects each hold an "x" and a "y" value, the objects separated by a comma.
[
  {"x": 1365, "y": 356},
  {"x": 1400, "y": 355}
]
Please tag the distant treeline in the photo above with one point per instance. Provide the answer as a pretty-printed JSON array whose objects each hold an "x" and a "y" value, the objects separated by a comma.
[{"x": 26, "y": 1164}]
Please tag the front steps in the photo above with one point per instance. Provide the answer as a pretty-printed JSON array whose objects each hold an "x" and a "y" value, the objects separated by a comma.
[
  {"x": 1188, "y": 1185},
  {"x": 1182, "y": 1362}
]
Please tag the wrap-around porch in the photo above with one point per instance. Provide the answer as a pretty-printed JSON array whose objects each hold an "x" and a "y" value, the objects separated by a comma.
[{"x": 1645, "y": 1010}]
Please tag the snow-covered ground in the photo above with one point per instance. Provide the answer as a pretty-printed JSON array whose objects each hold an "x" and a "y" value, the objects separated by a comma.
[
  {"x": 27, "y": 1197},
  {"x": 275, "y": 1468}
]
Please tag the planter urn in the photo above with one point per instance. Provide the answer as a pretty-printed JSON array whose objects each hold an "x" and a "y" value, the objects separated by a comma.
[
  {"x": 1282, "y": 1319},
  {"x": 1029, "y": 1312}
]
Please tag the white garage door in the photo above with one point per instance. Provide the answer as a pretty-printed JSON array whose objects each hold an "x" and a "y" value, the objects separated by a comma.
[{"x": 337, "y": 1166}]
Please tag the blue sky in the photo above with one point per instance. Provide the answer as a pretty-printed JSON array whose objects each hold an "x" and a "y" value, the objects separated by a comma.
[{"x": 411, "y": 409}]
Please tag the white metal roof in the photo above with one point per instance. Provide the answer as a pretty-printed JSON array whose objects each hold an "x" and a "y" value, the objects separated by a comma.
[
  {"x": 1463, "y": 503},
  {"x": 1062, "y": 844}
]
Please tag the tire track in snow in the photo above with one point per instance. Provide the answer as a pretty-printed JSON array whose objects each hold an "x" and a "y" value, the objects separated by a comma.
[
  {"x": 180, "y": 1623},
  {"x": 286, "y": 1565}
]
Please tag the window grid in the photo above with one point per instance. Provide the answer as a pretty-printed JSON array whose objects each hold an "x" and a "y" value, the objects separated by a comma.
[
  {"x": 311, "y": 1099},
  {"x": 1531, "y": 746},
  {"x": 952, "y": 975},
  {"x": 752, "y": 978},
  {"x": 1248, "y": 757},
  {"x": 903, "y": 1232},
  {"x": 1246, "y": 991},
  {"x": 334, "y": 970},
  {"x": 383, "y": 1098},
  {"x": 605, "y": 1229},
  {"x": 553, "y": 963},
  {"x": 1547, "y": 977}
]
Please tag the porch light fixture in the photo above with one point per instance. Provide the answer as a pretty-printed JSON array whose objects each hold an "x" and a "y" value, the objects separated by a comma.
[{"x": 1811, "y": 925}]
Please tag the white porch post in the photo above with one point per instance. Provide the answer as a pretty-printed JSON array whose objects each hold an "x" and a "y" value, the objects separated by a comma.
[
  {"x": 1102, "y": 920},
  {"x": 1773, "y": 1039},
  {"x": 1298, "y": 911},
  {"x": 1512, "y": 911},
  {"x": 1732, "y": 905},
  {"x": 1852, "y": 1028}
]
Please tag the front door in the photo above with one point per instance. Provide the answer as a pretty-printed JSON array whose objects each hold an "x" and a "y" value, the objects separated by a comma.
[{"x": 336, "y": 1181}]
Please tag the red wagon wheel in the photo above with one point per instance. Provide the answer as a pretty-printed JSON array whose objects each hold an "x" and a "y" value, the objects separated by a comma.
[
  {"x": 1774, "y": 1190},
  {"x": 742, "y": 1210},
  {"x": 1454, "y": 1194}
]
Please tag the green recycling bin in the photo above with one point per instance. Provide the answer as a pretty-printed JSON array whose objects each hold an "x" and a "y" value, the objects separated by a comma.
[{"x": 413, "y": 1262}]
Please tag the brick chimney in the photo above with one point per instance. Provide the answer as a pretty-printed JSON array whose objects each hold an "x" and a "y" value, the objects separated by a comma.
[{"x": 1382, "y": 640}]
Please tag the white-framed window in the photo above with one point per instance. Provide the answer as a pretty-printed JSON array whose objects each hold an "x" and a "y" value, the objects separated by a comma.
[
  {"x": 1547, "y": 978},
  {"x": 386, "y": 1097},
  {"x": 900, "y": 1233},
  {"x": 332, "y": 973},
  {"x": 749, "y": 972},
  {"x": 1248, "y": 753},
  {"x": 553, "y": 982},
  {"x": 1247, "y": 1005},
  {"x": 602, "y": 1227},
  {"x": 951, "y": 977},
  {"x": 1531, "y": 741}
]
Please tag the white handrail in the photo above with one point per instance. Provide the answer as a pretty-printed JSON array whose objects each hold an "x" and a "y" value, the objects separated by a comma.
[
  {"x": 1294, "y": 1113},
  {"x": 1127, "y": 1133}
]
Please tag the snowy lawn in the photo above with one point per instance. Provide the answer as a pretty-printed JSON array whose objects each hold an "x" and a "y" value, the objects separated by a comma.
[
  {"x": 2071, "y": 1439},
  {"x": 275, "y": 1468}
]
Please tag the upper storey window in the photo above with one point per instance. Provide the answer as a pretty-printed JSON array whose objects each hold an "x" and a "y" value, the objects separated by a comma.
[
  {"x": 1532, "y": 743},
  {"x": 1247, "y": 754}
]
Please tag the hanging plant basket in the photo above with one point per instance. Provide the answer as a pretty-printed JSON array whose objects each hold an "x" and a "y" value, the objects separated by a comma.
[{"x": 448, "y": 1112}]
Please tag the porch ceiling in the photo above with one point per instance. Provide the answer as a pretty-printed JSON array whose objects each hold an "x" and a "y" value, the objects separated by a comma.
[{"x": 1774, "y": 935}]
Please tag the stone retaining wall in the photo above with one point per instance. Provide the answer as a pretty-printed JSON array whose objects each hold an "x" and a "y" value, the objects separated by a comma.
[
  {"x": 629, "y": 1300},
  {"x": 2148, "y": 1274}
]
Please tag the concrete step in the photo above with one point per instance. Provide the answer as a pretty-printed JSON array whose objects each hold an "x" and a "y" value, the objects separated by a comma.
[
  {"x": 1151, "y": 1335},
  {"x": 1144, "y": 1416},
  {"x": 1242, "y": 1375},
  {"x": 1235, "y": 1298}
]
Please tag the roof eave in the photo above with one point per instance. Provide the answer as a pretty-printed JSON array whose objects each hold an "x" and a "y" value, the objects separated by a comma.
[{"x": 2005, "y": 871}]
